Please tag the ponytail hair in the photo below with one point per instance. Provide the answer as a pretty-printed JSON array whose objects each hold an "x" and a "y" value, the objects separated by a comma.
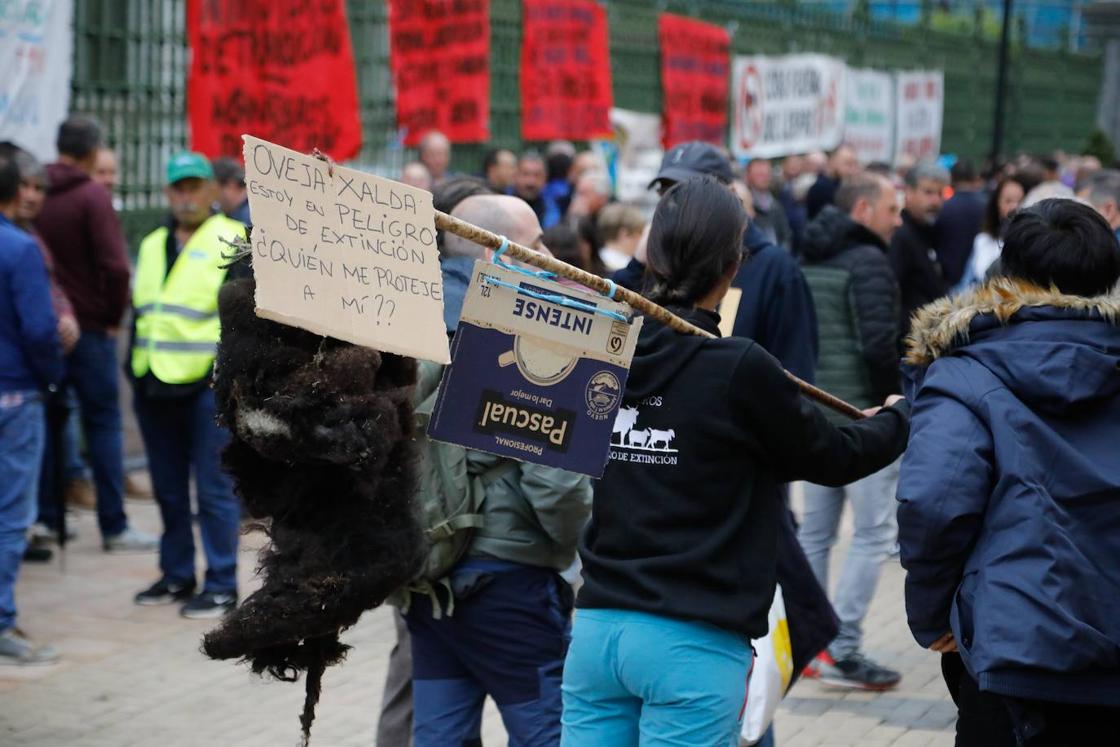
[{"x": 696, "y": 236}]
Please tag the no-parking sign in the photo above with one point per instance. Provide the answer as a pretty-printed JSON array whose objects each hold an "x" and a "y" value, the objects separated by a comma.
[{"x": 788, "y": 104}]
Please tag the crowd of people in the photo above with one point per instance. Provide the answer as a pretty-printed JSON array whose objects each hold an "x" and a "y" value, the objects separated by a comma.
[
  {"x": 983, "y": 460},
  {"x": 70, "y": 295},
  {"x": 837, "y": 270}
]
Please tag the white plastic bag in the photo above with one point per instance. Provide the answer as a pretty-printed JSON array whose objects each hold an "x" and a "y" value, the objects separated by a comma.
[{"x": 770, "y": 674}]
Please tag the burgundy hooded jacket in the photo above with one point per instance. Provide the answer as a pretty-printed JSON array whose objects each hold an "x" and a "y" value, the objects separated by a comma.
[{"x": 82, "y": 231}]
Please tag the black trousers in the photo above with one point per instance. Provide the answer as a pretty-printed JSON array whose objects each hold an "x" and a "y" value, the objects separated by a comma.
[{"x": 988, "y": 720}]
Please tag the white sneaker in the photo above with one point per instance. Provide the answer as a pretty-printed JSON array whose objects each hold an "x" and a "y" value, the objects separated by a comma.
[
  {"x": 15, "y": 648},
  {"x": 131, "y": 540},
  {"x": 40, "y": 532}
]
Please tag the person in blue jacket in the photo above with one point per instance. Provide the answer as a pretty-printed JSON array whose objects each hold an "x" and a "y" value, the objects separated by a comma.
[
  {"x": 1009, "y": 497},
  {"x": 30, "y": 366}
]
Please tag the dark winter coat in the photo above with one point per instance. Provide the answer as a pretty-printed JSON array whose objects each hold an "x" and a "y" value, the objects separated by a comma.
[
  {"x": 956, "y": 228},
  {"x": 775, "y": 307},
  {"x": 820, "y": 195},
  {"x": 857, "y": 301},
  {"x": 795, "y": 213},
  {"x": 1009, "y": 517},
  {"x": 917, "y": 265},
  {"x": 770, "y": 217},
  {"x": 82, "y": 230},
  {"x": 685, "y": 519}
]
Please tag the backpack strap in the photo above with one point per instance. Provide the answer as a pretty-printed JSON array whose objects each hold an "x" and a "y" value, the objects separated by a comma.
[{"x": 445, "y": 529}]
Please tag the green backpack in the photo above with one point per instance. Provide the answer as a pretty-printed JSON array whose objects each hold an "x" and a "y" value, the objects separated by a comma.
[{"x": 449, "y": 497}]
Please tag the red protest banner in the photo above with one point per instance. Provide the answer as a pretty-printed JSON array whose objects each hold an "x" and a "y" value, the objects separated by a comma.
[
  {"x": 441, "y": 68},
  {"x": 565, "y": 71},
  {"x": 282, "y": 70},
  {"x": 695, "y": 64}
]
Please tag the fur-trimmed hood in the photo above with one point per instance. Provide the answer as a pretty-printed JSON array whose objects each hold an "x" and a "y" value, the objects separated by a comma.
[
  {"x": 1054, "y": 352},
  {"x": 943, "y": 325}
]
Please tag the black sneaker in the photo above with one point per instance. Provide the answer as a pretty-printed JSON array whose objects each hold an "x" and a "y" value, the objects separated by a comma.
[
  {"x": 36, "y": 553},
  {"x": 165, "y": 592},
  {"x": 859, "y": 673},
  {"x": 209, "y": 605}
]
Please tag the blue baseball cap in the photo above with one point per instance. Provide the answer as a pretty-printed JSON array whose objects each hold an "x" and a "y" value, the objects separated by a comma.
[{"x": 694, "y": 158}]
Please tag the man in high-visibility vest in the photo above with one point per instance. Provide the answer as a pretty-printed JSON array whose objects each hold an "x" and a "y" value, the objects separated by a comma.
[{"x": 179, "y": 271}]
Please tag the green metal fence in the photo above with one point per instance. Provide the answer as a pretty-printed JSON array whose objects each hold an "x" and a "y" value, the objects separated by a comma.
[{"x": 131, "y": 62}]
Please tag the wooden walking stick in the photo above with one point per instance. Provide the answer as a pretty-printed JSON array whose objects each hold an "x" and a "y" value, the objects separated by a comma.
[{"x": 493, "y": 241}]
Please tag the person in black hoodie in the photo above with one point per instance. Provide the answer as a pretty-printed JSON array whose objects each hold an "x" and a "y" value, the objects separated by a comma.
[
  {"x": 915, "y": 254},
  {"x": 680, "y": 554},
  {"x": 857, "y": 300}
]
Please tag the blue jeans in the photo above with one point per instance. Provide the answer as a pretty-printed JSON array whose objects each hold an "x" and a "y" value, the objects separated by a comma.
[
  {"x": 180, "y": 433},
  {"x": 22, "y": 431},
  {"x": 633, "y": 678},
  {"x": 506, "y": 638},
  {"x": 75, "y": 467},
  {"x": 876, "y": 529},
  {"x": 91, "y": 373}
]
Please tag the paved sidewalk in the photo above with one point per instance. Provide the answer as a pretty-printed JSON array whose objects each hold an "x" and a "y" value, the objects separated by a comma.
[{"x": 135, "y": 676}]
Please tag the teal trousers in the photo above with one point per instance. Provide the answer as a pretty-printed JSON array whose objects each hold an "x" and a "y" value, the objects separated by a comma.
[{"x": 633, "y": 679}]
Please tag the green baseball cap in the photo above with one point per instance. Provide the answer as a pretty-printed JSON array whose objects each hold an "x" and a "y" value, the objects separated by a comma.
[{"x": 187, "y": 166}]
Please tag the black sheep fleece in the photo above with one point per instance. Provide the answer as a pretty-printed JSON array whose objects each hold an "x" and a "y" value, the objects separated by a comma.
[{"x": 321, "y": 453}]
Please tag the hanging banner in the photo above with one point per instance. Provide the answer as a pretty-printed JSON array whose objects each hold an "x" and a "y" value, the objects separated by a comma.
[
  {"x": 35, "y": 51},
  {"x": 919, "y": 102},
  {"x": 344, "y": 254},
  {"x": 537, "y": 373},
  {"x": 786, "y": 105},
  {"x": 869, "y": 115},
  {"x": 565, "y": 71},
  {"x": 695, "y": 66},
  {"x": 637, "y": 145},
  {"x": 440, "y": 55},
  {"x": 282, "y": 69}
]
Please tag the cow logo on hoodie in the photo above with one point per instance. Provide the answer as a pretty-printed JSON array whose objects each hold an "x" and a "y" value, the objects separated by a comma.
[{"x": 631, "y": 442}]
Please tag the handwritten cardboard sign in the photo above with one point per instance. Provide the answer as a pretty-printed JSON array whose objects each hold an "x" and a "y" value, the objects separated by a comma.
[
  {"x": 351, "y": 256},
  {"x": 283, "y": 69},
  {"x": 532, "y": 379}
]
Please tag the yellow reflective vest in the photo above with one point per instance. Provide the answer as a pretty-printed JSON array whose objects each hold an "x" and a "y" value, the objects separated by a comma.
[{"x": 177, "y": 328}]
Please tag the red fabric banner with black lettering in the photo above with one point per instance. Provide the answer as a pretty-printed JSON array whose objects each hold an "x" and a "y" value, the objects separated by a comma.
[
  {"x": 281, "y": 70},
  {"x": 695, "y": 65},
  {"x": 440, "y": 55},
  {"x": 565, "y": 71}
]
